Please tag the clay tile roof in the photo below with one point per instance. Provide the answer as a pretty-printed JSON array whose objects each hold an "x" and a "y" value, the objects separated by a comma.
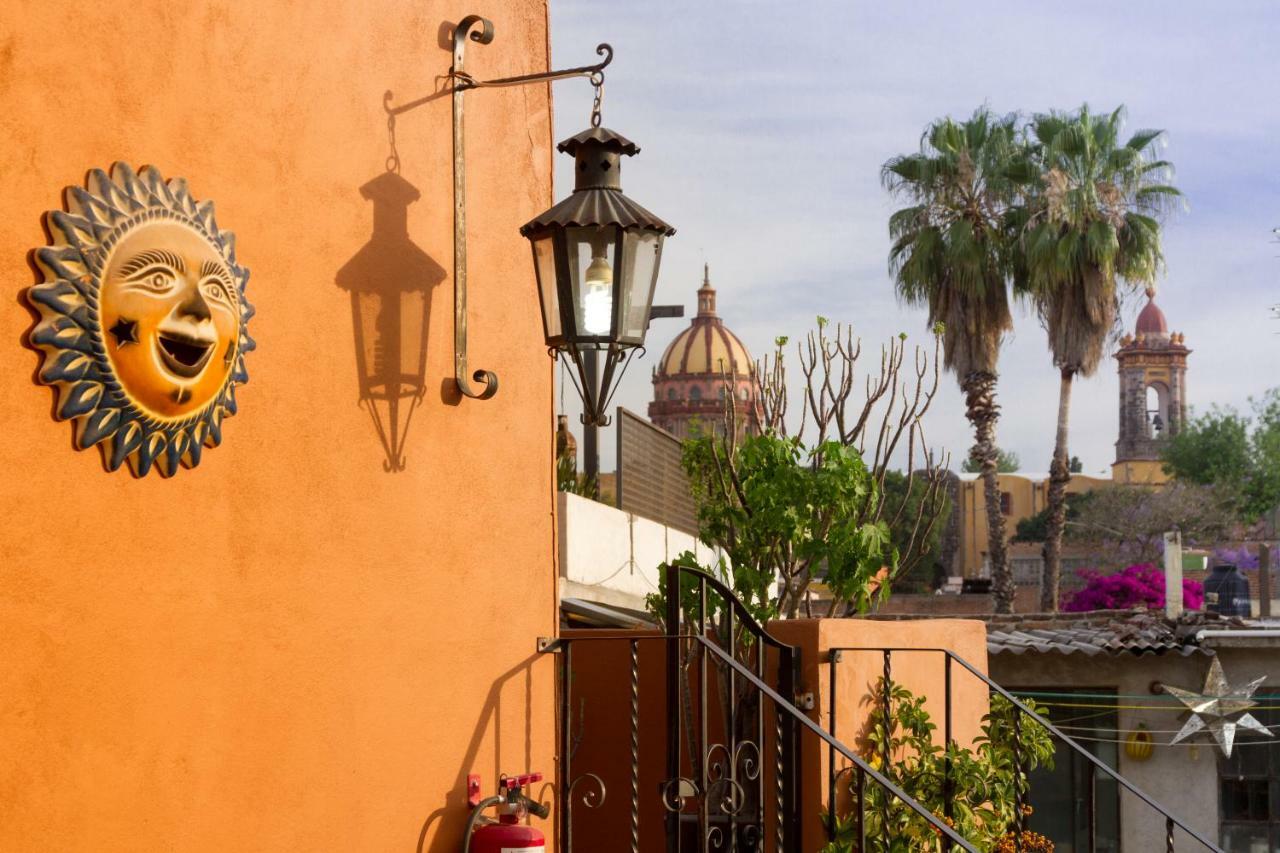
[{"x": 1100, "y": 632}]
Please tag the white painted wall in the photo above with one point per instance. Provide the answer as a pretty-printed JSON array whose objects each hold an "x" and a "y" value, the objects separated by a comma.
[{"x": 611, "y": 556}]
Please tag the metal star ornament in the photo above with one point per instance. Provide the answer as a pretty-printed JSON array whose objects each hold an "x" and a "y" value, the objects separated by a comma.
[{"x": 1217, "y": 707}]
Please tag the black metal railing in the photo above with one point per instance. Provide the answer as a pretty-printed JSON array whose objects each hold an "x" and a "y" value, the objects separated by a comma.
[
  {"x": 1023, "y": 715},
  {"x": 728, "y": 702}
]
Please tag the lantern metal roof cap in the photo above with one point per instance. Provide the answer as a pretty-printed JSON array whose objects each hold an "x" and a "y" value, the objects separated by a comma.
[
  {"x": 597, "y": 199},
  {"x": 596, "y": 208},
  {"x": 608, "y": 139}
]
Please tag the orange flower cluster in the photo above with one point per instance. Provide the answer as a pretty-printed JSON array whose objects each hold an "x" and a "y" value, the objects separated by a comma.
[{"x": 1031, "y": 842}]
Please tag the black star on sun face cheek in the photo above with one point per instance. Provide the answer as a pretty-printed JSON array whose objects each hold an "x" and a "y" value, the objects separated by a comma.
[{"x": 125, "y": 332}]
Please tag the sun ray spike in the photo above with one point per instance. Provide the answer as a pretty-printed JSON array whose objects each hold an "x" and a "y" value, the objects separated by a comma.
[
  {"x": 228, "y": 239},
  {"x": 106, "y": 189},
  {"x": 204, "y": 216},
  {"x": 97, "y": 426},
  {"x": 124, "y": 177},
  {"x": 157, "y": 189}
]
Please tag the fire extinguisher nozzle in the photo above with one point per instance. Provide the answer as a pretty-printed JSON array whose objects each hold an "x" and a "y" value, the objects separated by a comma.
[{"x": 540, "y": 810}]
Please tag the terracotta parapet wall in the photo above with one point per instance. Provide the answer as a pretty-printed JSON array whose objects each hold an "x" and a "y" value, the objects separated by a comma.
[{"x": 921, "y": 672}]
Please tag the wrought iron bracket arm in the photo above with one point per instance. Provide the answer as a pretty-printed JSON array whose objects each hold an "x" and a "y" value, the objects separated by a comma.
[
  {"x": 480, "y": 30},
  {"x": 464, "y": 81}
]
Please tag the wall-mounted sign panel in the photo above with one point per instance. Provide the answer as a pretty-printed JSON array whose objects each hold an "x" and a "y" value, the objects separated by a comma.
[{"x": 143, "y": 320}]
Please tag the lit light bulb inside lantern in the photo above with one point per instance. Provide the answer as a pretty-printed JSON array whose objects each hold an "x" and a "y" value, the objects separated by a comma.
[{"x": 597, "y": 295}]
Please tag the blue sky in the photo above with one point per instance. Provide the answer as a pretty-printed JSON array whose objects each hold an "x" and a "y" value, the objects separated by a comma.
[{"x": 764, "y": 125}]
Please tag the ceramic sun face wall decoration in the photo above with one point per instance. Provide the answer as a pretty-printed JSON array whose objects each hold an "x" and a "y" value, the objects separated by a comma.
[{"x": 143, "y": 321}]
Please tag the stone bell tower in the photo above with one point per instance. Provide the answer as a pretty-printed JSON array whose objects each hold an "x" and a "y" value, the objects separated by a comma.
[{"x": 1153, "y": 395}]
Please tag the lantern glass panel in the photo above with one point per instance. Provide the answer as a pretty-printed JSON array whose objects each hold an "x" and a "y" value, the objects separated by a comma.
[
  {"x": 591, "y": 270},
  {"x": 544, "y": 265},
  {"x": 641, "y": 250}
]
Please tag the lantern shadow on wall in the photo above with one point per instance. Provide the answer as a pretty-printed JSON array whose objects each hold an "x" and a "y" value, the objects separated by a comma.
[{"x": 390, "y": 281}]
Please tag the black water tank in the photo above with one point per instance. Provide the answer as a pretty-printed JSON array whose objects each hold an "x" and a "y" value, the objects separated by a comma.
[{"x": 1226, "y": 591}]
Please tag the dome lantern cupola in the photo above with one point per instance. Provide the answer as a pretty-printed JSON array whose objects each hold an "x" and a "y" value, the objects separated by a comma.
[{"x": 706, "y": 294}]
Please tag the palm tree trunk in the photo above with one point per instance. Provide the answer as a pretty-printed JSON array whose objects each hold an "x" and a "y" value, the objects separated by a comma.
[
  {"x": 980, "y": 401},
  {"x": 1059, "y": 476}
]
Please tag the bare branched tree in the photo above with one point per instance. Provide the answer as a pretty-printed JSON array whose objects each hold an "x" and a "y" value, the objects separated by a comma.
[{"x": 867, "y": 431}]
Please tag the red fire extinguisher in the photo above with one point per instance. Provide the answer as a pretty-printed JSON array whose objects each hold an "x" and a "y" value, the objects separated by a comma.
[{"x": 509, "y": 834}]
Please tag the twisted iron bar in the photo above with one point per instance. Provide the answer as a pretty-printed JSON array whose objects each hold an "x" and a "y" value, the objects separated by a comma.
[
  {"x": 635, "y": 747},
  {"x": 778, "y": 715}
]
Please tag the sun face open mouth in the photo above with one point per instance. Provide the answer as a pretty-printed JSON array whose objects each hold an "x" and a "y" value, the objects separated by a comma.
[{"x": 183, "y": 356}]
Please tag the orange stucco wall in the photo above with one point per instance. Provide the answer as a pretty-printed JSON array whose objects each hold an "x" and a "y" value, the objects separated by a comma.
[
  {"x": 286, "y": 648},
  {"x": 921, "y": 672}
]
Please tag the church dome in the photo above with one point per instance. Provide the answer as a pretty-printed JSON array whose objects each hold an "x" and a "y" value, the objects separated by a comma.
[
  {"x": 702, "y": 369},
  {"x": 707, "y": 347},
  {"x": 1151, "y": 321}
]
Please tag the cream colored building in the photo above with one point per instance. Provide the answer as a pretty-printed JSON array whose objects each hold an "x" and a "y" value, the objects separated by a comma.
[{"x": 1022, "y": 495}]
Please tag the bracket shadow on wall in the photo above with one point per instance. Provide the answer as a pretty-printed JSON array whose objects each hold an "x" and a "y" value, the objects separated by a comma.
[
  {"x": 477, "y": 29},
  {"x": 390, "y": 280}
]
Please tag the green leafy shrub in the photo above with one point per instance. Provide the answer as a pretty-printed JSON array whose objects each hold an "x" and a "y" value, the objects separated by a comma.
[{"x": 984, "y": 785}]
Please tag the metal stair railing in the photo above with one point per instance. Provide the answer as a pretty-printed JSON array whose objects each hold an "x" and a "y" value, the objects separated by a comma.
[
  {"x": 863, "y": 770},
  {"x": 1093, "y": 763},
  {"x": 735, "y": 791}
]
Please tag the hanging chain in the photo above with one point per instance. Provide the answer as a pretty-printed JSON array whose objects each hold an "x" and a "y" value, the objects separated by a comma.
[
  {"x": 597, "y": 80},
  {"x": 393, "y": 159}
]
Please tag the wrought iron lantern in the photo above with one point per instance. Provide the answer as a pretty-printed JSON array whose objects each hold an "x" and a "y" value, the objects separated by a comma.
[{"x": 596, "y": 256}]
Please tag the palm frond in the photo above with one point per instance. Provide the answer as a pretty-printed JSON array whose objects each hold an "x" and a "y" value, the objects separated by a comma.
[
  {"x": 1092, "y": 225},
  {"x": 950, "y": 246},
  {"x": 1143, "y": 139}
]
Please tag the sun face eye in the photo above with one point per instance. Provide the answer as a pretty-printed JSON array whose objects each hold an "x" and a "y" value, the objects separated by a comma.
[
  {"x": 216, "y": 289},
  {"x": 155, "y": 279}
]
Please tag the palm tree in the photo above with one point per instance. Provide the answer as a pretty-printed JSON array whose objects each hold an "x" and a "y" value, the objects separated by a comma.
[
  {"x": 1093, "y": 215},
  {"x": 950, "y": 254}
]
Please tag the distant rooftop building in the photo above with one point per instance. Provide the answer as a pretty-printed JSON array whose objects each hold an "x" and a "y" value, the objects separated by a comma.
[{"x": 700, "y": 368}]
